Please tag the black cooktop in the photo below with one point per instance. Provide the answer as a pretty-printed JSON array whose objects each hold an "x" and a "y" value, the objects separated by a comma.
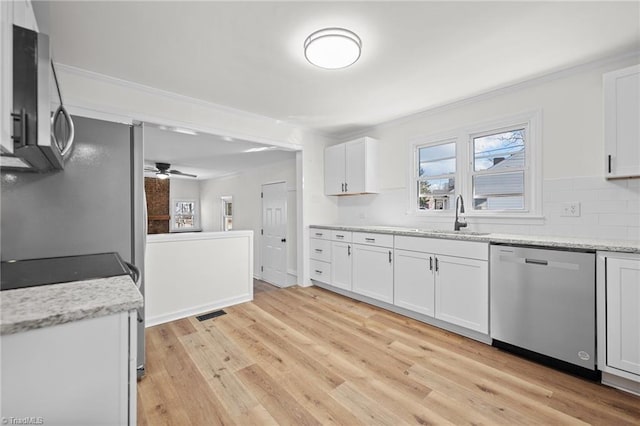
[{"x": 53, "y": 270}]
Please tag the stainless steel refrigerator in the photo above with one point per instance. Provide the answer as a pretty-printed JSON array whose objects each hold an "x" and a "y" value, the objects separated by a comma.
[{"x": 95, "y": 205}]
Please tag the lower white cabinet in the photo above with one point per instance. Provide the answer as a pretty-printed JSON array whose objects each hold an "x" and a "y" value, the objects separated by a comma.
[
  {"x": 414, "y": 286},
  {"x": 451, "y": 289},
  {"x": 373, "y": 272},
  {"x": 618, "y": 317},
  {"x": 341, "y": 265},
  {"x": 462, "y": 292},
  {"x": 77, "y": 373}
]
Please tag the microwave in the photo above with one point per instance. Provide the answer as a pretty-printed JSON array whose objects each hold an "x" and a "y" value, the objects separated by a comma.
[{"x": 41, "y": 140}]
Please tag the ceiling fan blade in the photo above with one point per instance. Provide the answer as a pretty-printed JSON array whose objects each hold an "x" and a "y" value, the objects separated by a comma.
[
  {"x": 151, "y": 169},
  {"x": 179, "y": 173}
]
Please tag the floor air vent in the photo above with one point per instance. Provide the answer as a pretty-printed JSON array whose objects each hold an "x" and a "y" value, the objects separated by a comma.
[{"x": 210, "y": 315}]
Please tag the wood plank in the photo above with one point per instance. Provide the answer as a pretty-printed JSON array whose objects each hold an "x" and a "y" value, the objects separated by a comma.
[
  {"x": 309, "y": 356},
  {"x": 277, "y": 401}
]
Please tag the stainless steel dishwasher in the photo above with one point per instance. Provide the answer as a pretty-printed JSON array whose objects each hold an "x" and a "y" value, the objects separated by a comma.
[{"x": 543, "y": 305}]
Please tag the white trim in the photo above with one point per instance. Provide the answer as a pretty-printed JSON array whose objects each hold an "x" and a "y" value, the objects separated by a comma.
[
  {"x": 532, "y": 121},
  {"x": 499, "y": 90},
  {"x": 532, "y": 214},
  {"x": 196, "y": 215},
  {"x": 161, "y": 319},
  {"x": 84, "y": 108}
]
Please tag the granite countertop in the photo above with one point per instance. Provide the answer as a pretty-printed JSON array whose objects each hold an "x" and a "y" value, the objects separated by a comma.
[
  {"x": 43, "y": 306},
  {"x": 533, "y": 240}
]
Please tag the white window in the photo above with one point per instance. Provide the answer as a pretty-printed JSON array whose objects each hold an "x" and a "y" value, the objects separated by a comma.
[
  {"x": 495, "y": 166},
  {"x": 436, "y": 175},
  {"x": 227, "y": 213},
  {"x": 184, "y": 216}
]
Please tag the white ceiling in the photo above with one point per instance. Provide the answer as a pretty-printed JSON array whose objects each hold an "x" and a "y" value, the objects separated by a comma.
[
  {"x": 416, "y": 55},
  {"x": 204, "y": 155}
]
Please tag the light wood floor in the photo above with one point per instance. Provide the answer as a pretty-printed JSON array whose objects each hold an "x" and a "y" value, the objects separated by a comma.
[{"x": 306, "y": 356}]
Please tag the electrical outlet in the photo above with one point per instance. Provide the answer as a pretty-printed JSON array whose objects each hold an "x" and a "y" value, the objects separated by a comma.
[{"x": 570, "y": 209}]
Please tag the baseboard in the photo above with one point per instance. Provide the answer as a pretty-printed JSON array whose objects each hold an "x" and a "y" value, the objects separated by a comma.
[
  {"x": 471, "y": 334},
  {"x": 161, "y": 319}
]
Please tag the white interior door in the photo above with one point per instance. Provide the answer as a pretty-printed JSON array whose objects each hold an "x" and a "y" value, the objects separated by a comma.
[{"x": 274, "y": 233}]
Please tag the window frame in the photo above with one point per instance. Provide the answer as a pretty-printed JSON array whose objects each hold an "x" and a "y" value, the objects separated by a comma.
[
  {"x": 416, "y": 171},
  {"x": 463, "y": 136},
  {"x": 196, "y": 215}
]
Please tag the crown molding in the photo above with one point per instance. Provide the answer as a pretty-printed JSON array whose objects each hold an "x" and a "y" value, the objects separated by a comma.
[
  {"x": 124, "y": 114},
  {"x": 492, "y": 93}
]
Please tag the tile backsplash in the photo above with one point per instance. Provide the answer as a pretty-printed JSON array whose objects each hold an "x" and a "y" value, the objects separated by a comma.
[{"x": 608, "y": 209}]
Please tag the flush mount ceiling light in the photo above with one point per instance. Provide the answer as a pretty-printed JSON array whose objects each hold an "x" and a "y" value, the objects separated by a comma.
[{"x": 332, "y": 48}]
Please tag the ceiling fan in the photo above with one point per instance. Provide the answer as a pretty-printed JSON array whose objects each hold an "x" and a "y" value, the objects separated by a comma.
[{"x": 162, "y": 171}]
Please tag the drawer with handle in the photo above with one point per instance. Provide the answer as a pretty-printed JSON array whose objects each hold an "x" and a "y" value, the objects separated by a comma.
[
  {"x": 320, "y": 250},
  {"x": 383, "y": 240},
  {"x": 320, "y": 271},
  {"x": 321, "y": 234},
  {"x": 341, "y": 236}
]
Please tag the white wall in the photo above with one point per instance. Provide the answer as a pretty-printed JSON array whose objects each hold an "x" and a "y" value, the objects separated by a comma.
[
  {"x": 247, "y": 205},
  {"x": 572, "y": 160}
]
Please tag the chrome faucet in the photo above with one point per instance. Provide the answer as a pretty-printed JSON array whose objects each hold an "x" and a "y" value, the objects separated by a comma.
[{"x": 457, "y": 224}]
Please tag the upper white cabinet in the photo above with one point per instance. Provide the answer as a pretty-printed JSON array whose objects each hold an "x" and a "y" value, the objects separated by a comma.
[
  {"x": 621, "y": 125},
  {"x": 6, "y": 75},
  {"x": 18, "y": 12},
  {"x": 351, "y": 167}
]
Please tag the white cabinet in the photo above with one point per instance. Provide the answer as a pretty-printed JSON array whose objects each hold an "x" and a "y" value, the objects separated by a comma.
[
  {"x": 618, "y": 301},
  {"x": 445, "y": 279},
  {"x": 621, "y": 128},
  {"x": 351, "y": 167},
  {"x": 75, "y": 373},
  {"x": 462, "y": 292},
  {"x": 623, "y": 314},
  {"x": 335, "y": 161},
  {"x": 414, "y": 286},
  {"x": 320, "y": 255},
  {"x": 373, "y": 269},
  {"x": 23, "y": 15},
  {"x": 18, "y": 12},
  {"x": 341, "y": 264},
  {"x": 6, "y": 75}
]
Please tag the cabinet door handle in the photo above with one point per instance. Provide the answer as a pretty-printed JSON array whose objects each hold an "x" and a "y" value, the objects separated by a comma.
[
  {"x": 346, "y": 187},
  {"x": 370, "y": 240},
  {"x": 318, "y": 250},
  {"x": 319, "y": 234},
  {"x": 342, "y": 186},
  {"x": 430, "y": 263},
  {"x": 437, "y": 265},
  {"x": 389, "y": 256},
  {"x": 339, "y": 236},
  {"x": 609, "y": 161},
  {"x": 20, "y": 118},
  {"x": 348, "y": 250},
  {"x": 318, "y": 272}
]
